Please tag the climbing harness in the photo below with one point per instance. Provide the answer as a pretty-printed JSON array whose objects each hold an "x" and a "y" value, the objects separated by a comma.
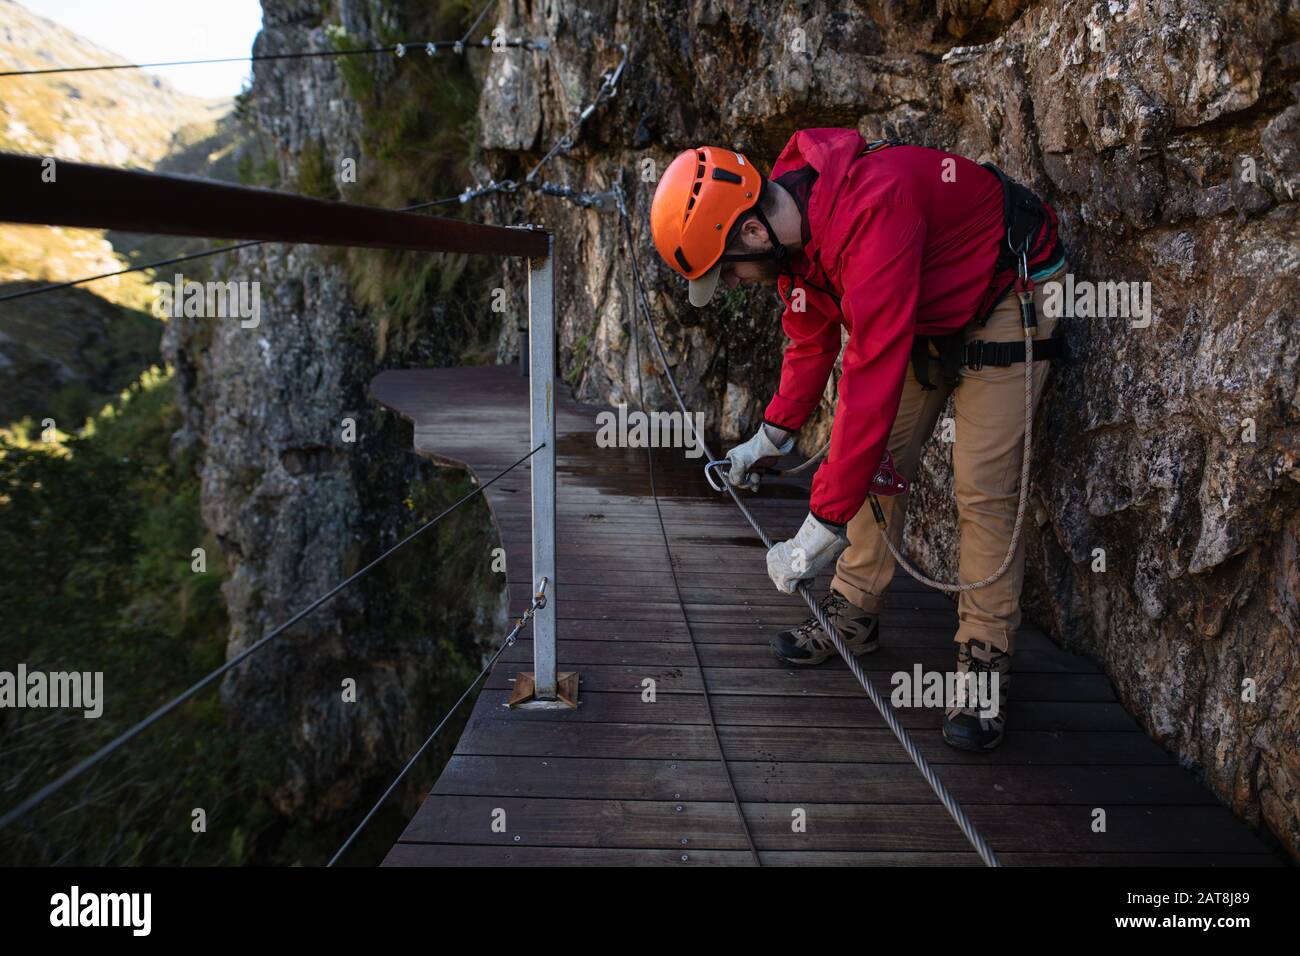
[{"x": 886, "y": 712}]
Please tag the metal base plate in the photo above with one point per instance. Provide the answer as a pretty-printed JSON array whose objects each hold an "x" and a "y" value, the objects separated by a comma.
[{"x": 525, "y": 693}]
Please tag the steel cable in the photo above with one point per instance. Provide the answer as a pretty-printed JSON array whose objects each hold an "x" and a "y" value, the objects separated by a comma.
[
  {"x": 608, "y": 89},
  {"x": 431, "y": 47}
]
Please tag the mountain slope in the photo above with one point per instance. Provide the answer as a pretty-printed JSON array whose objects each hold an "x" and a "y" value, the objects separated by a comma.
[
  {"x": 63, "y": 353},
  {"x": 118, "y": 118}
]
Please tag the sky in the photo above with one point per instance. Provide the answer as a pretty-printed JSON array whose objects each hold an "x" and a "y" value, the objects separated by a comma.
[{"x": 151, "y": 30}]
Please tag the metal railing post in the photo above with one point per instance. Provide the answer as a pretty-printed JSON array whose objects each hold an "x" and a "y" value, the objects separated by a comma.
[{"x": 541, "y": 391}]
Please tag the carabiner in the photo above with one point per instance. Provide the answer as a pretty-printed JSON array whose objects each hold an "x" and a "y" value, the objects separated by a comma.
[{"x": 708, "y": 474}]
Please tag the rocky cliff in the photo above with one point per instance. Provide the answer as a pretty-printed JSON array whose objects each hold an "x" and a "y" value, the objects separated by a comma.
[{"x": 1164, "y": 133}]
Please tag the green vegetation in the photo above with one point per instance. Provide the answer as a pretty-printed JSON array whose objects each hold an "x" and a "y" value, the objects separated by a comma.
[
  {"x": 316, "y": 176},
  {"x": 255, "y": 172},
  {"x": 356, "y": 73},
  {"x": 67, "y": 352},
  {"x": 731, "y": 304},
  {"x": 255, "y": 163},
  {"x": 96, "y": 534},
  {"x": 581, "y": 348}
]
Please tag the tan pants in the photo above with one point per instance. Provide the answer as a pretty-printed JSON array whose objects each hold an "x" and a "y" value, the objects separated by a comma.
[{"x": 986, "y": 459}]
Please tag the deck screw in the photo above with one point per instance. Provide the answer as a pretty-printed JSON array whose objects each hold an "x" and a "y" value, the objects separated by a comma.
[
  {"x": 685, "y": 841},
  {"x": 516, "y": 838},
  {"x": 679, "y": 808},
  {"x": 685, "y": 857}
]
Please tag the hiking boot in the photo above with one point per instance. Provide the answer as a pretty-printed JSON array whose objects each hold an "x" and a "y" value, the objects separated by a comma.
[
  {"x": 809, "y": 644},
  {"x": 966, "y": 726}
]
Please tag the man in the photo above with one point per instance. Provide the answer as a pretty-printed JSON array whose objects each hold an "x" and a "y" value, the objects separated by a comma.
[{"x": 919, "y": 255}]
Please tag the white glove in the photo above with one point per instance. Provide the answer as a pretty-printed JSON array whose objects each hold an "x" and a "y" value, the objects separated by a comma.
[
  {"x": 805, "y": 555},
  {"x": 758, "y": 453}
]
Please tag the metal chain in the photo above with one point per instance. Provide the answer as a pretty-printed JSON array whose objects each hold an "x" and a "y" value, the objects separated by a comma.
[{"x": 608, "y": 89}]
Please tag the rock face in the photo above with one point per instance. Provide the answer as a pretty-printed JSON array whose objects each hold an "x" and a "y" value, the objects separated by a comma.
[
  {"x": 297, "y": 506},
  {"x": 1165, "y": 134}
]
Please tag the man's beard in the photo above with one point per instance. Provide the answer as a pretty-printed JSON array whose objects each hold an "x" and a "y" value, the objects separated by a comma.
[{"x": 769, "y": 271}]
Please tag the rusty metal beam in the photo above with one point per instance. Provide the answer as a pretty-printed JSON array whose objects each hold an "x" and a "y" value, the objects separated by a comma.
[{"x": 99, "y": 197}]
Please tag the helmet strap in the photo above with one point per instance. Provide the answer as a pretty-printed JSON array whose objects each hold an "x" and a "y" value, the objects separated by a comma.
[{"x": 778, "y": 252}]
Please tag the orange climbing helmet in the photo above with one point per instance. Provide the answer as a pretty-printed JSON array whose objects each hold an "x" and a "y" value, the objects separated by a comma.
[{"x": 699, "y": 198}]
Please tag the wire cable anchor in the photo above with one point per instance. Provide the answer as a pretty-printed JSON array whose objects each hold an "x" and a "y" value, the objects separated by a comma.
[{"x": 524, "y": 694}]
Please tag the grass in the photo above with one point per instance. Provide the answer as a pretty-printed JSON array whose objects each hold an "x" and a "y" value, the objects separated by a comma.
[
  {"x": 316, "y": 176},
  {"x": 96, "y": 533}
]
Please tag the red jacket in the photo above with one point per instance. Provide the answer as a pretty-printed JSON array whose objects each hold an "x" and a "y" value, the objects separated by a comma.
[{"x": 898, "y": 242}]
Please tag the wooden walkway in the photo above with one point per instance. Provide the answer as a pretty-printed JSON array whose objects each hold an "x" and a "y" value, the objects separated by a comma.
[{"x": 622, "y": 781}]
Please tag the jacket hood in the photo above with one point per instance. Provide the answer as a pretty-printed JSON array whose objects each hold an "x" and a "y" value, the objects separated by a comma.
[{"x": 831, "y": 152}]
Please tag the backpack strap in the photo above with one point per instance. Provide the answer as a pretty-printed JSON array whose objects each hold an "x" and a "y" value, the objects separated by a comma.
[{"x": 1023, "y": 217}]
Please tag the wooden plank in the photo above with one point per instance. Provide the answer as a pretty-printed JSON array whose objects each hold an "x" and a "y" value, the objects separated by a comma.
[
  {"x": 805, "y": 712},
  {"x": 777, "y": 781},
  {"x": 442, "y": 854},
  {"x": 940, "y": 656},
  {"x": 450, "y": 818},
  {"x": 789, "y": 743},
  {"x": 821, "y": 682}
]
